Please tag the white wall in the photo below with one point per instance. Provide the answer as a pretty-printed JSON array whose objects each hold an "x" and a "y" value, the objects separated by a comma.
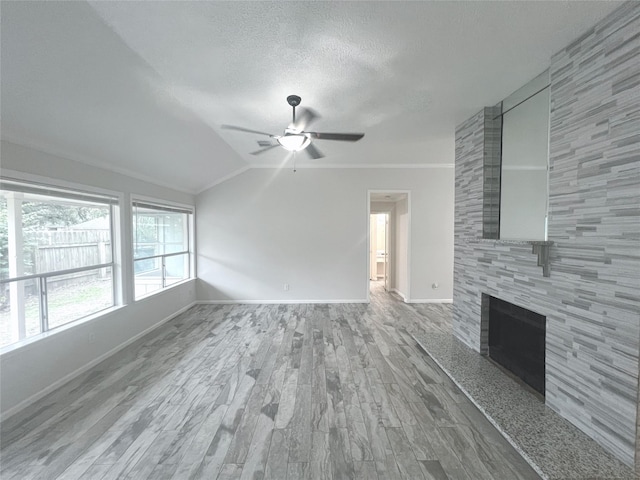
[
  {"x": 268, "y": 227},
  {"x": 28, "y": 372},
  {"x": 30, "y": 160}
]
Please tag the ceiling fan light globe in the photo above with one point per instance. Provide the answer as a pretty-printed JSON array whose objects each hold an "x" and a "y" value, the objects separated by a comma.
[{"x": 294, "y": 142}]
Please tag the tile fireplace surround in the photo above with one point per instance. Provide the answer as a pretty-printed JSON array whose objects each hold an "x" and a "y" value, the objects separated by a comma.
[{"x": 592, "y": 297}]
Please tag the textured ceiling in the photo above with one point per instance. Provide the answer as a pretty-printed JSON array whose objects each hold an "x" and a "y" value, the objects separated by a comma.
[{"x": 143, "y": 87}]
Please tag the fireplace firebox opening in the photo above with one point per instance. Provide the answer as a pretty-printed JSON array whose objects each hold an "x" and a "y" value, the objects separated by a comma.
[{"x": 516, "y": 340}]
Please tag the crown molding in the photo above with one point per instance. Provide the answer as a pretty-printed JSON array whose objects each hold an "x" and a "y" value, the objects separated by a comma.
[
  {"x": 365, "y": 165},
  {"x": 104, "y": 165},
  {"x": 235, "y": 173},
  {"x": 90, "y": 161}
]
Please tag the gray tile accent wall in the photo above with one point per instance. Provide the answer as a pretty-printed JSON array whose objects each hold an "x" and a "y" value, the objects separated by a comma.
[
  {"x": 592, "y": 298},
  {"x": 468, "y": 215}
]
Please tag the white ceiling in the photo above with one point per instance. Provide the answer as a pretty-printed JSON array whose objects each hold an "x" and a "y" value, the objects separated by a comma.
[
  {"x": 143, "y": 87},
  {"x": 387, "y": 196}
]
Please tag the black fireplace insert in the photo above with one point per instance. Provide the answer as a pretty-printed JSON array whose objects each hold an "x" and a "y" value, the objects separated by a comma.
[{"x": 517, "y": 341}]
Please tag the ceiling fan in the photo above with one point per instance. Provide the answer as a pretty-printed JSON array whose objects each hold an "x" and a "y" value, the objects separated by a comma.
[{"x": 295, "y": 138}]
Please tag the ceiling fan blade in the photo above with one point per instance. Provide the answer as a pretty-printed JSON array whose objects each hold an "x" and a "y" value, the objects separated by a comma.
[
  {"x": 262, "y": 150},
  {"x": 246, "y": 130},
  {"x": 313, "y": 152},
  {"x": 304, "y": 118},
  {"x": 345, "y": 137}
]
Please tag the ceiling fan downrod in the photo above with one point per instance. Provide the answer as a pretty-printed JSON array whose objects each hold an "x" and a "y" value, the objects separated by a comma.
[{"x": 294, "y": 101}]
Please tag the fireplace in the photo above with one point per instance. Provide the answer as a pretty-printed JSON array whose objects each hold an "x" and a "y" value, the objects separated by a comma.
[{"x": 517, "y": 340}]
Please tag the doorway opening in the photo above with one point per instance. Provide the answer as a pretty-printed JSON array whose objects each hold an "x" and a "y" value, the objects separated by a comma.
[
  {"x": 388, "y": 233},
  {"x": 379, "y": 248}
]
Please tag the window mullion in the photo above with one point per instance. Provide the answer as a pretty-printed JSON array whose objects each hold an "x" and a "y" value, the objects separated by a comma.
[
  {"x": 44, "y": 306},
  {"x": 115, "y": 284},
  {"x": 164, "y": 272}
]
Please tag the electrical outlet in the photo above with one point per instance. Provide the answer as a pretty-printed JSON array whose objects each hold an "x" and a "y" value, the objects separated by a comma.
[{"x": 286, "y": 287}]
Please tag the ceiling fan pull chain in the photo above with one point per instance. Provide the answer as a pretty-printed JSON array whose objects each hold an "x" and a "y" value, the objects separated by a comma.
[{"x": 294, "y": 162}]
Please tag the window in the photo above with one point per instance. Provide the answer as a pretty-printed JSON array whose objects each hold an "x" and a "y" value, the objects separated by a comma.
[
  {"x": 56, "y": 257},
  {"x": 161, "y": 246}
]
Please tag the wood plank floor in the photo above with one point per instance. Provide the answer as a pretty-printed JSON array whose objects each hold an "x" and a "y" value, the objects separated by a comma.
[{"x": 336, "y": 391}]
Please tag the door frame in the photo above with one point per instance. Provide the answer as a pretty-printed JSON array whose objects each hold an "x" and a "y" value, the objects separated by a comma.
[{"x": 368, "y": 237}]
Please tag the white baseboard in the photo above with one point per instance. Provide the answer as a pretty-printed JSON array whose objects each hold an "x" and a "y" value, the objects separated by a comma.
[
  {"x": 70, "y": 376},
  {"x": 270, "y": 302},
  {"x": 431, "y": 300},
  {"x": 400, "y": 294}
]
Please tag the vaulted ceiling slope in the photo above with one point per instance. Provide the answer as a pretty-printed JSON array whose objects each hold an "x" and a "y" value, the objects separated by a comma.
[{"x": 143, "y": 87}]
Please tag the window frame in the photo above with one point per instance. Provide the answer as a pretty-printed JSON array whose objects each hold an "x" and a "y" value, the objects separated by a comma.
[
  {"x": 52, "y": 188},
  {"x": 171, "y": 207}
]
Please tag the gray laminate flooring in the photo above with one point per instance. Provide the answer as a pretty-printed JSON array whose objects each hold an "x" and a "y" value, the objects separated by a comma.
[{"x": 336, "y": 391}]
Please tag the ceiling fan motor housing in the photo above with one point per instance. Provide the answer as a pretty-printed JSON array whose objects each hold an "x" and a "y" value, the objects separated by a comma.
[{"x": 294, "y": 100}]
